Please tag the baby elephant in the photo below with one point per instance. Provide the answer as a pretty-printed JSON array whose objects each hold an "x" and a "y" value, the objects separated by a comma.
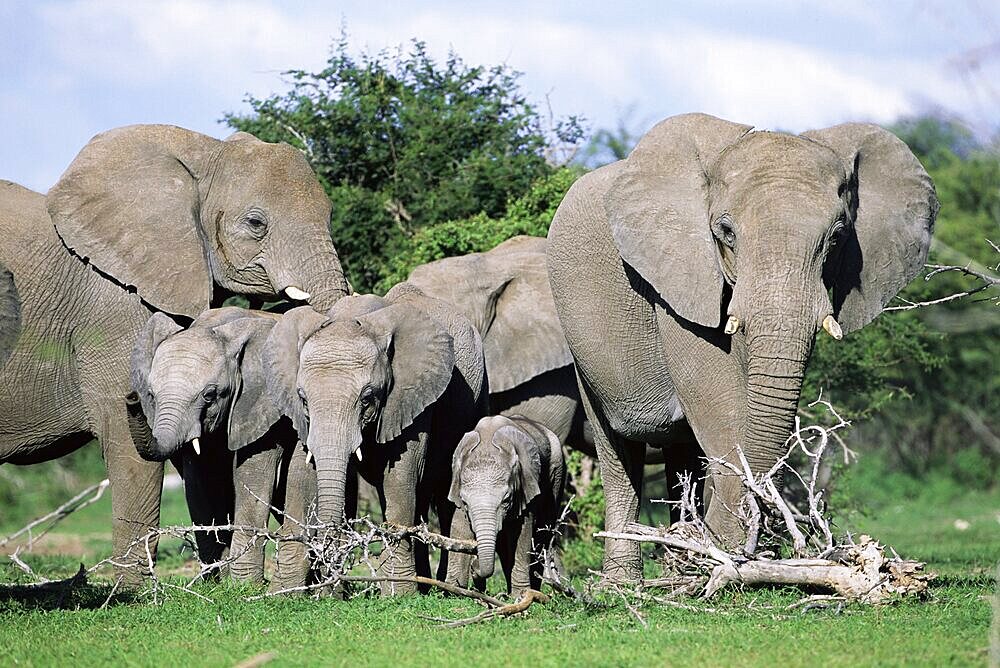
[{"x": 507, "y": 482}]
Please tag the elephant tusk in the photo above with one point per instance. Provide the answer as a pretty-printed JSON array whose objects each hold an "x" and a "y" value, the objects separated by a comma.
[
  {"x": 309, "y": 456},
  {"x": 832, "y": 327},
  {"x": 297, "y": 294},
  {"x": 732, "y": 325},
  {"x": 358, "y": 453},
  {"x": 196, "y": 446}
]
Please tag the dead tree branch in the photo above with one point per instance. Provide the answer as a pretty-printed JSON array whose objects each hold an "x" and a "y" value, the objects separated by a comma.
[
  {"x": 76, "y": 503},
  {"x": 694, "y": 564}
]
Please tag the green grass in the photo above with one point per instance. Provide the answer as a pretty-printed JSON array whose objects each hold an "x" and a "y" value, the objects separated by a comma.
[{"x": 752, "y": 627}]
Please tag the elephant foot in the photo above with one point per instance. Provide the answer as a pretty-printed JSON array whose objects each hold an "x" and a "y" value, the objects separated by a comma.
[
  {"x": 132, "y": 578},
  {"x": 624, "y": 570},
  {"x": 398, "y": 588}
]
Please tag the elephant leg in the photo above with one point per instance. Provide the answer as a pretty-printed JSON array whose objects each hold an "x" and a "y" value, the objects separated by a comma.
[
  {"x": 446, "y": 514},
  {"x": 254, "y": 472},
  {"x": 292, "y": 559},
  {"x": 522, "y": 574},
  {"x": 459, "y": 563},
  {"x": 621, "y": 465},
  {"x": 208, "y": 488},
  {"x": 421, "y": 552},
  {"x": 136, "y": 486},
  {"x": 399, "y": 491}
]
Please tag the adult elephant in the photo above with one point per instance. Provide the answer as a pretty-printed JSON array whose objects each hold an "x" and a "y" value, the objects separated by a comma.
[
  {"x": 146, "y": 218},
  {"x": 707, "y": 223}
]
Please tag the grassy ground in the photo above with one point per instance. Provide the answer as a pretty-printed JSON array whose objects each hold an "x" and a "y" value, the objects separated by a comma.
[{"x": 751, "y": 627}]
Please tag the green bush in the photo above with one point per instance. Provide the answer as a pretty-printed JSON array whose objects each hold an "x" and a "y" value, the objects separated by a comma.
[
  {"x": 401, "y": 142},
  {"x": 528, "y": 214}
]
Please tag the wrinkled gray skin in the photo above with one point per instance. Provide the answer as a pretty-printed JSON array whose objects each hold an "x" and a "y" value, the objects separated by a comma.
[
  {"x": 506, "y": 481},
  {"x": 649, "y": 256},
  {"x": 385, "y": 387},
  {"x": 505, "y": 292},
  {"x": 10, "y": 314},
  {"x": 206, "y": 382},
  {"x": 146, "y": 218}
]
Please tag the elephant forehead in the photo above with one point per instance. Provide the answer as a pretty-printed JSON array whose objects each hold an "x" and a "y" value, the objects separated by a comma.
[
  {"x": 487, "y": 468},
  {"x": 282, "y": 169},
  {"x": 795, "y": 164},
  {"x": 332, "y": 346},
  {"x": 189, "y": 355}
]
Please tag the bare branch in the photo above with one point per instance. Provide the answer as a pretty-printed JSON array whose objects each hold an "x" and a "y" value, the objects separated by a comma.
[{"x": 76, "y": 503}]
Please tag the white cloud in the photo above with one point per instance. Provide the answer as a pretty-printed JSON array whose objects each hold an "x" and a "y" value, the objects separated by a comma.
[{"x": 103, "y": 63}]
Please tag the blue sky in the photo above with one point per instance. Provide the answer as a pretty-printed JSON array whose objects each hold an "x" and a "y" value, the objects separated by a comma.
[{"x": 73, "y": 68}]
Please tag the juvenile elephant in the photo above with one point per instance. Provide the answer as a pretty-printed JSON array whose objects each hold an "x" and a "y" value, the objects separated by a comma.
[
  {"x": 147, "y": 218},
  {"x": 506, "y": 481},
  {"x": 205, "y": 386},
  {"x": 691, "y": 278},
  {"x": 394, "y": 381}
]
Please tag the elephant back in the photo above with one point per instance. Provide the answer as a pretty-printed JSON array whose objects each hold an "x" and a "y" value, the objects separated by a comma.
[{"x": 505, "y": 293}]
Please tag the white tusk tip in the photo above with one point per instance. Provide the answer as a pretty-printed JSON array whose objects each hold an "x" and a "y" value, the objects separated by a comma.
[
  {"x": 196, "y": 446},
  {"x": 732, "y": 325},
  {"x": 358, "y": 453},
  {"x": 297, "y": 294},
  {"x": 832, "y": 327},
  {"x": 309, "y": 456}
]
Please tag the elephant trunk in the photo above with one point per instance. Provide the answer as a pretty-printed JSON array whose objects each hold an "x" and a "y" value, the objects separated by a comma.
[
  {"x": 171, "y": 428},
  {"x": 778, "y": 348},
  {"x": 138, "y": 427},
  {"x": 332, "y": 452},
  {"x": 484, "y": 526},
  {"x": 319, "y": 275}
]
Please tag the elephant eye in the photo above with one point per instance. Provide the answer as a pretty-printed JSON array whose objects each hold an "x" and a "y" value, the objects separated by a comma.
[
  {"x": 210, "y": 394},
  {"x": 725, "y": 231},
  {"x": 257, "y": 223}
]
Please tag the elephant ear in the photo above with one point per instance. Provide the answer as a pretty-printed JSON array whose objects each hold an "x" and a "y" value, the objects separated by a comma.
[
  {"x": 10, "y": 314},
  {"x": 422, "y": 359},
  {"x": 154, "y": 332},
  {"x": 129, "y": 204},
  {"x": 528, "y": 458},
  {"x": 895, "y": 207},
  {"x": 657, "y": 207},
  {"x": 281, "y": 362},
  {"x": 469, "y": 441},
  {"x": 506, "y": 294},
  {"x": 251, "y": 411}
]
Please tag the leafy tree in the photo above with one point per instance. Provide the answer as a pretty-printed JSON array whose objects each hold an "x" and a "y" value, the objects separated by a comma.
[
  {"x": 401, "y": 142},
  {"x": 529, "y": 214}
]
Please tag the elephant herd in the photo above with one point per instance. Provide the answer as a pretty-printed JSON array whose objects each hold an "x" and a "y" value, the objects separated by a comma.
[{"x": 671, "y": 310}]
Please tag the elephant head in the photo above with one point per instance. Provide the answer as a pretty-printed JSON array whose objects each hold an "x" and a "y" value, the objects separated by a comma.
[
  {"x": 505, "y": 293},
  {"x": 496, "y": 474},
  {"x": 206, "y": 380},
  {"x": 361, "y": 375},
  {"x": 781, "y": 235},
  {"x": 173, "y": 213}
]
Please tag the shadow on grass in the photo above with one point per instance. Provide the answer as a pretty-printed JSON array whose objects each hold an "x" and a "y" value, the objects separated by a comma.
[{"x": 73, "y": 593}]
